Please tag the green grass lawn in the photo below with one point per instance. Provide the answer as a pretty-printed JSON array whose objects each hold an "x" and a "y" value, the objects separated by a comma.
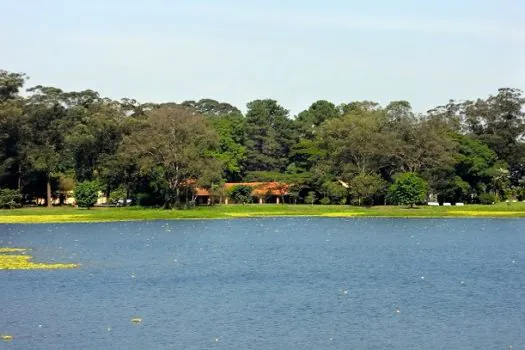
[{"x": 67, "y": 214}]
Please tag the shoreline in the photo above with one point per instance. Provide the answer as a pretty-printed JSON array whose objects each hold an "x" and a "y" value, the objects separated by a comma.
[{"x": 74, "y": 215}]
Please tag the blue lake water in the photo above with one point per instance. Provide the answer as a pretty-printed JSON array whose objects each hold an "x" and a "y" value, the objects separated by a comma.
[{"x": 273, "y": 283}]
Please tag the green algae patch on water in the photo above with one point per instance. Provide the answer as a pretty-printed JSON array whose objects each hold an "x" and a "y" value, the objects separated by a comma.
[
  {"x": 66, "y": 214},
  {"x": 487, "y": 213},
  {"x": 266, "y": 214},
  {"x": 6, "y": 337},
  {"x": 12, "y": 250},
  {"x": 41, "y": 219},
  {"x": 23, "y": 262},
  {"x": 342, "y": 214}
]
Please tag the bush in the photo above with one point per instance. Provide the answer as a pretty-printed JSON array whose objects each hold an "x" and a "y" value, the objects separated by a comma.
[
  {"x": 241, "y": 194},
  {"x": 10, "y": 199},
  {"x": 408, "y": 189},
  {"x": 520, "y": 194},
  {"x": 117, "y": 194},
  {"x": 334, "y": 191},
  {"x": 324, "y": 201},
  {"x": 149, "y": 199},
  {"x": 487, "y": 198},
  {"x": 86, "y": 194},
  {"x": 310, "y": 198},
  {"x": 364, "y": 186}
]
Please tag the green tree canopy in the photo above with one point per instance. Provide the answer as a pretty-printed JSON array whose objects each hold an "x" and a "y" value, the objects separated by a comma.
[
  {"x": 309, "y": 120},
  {"x": 210, "y": 107},
  {"x": 269, "y": 136},
  {"x": 408, "y": 189},
  {"x": 176, "y": 146},
  {"x": 364, "y": 186},
  {"x": 357, "y": 143},
  {"x": 231, "y": 151},
  {"x": 157, "y": 153},
  {"x": 241, "y": 194},
  {"x": 86, "y": 194}
]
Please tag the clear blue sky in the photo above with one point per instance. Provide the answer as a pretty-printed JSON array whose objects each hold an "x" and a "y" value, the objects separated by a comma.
[{"x": 295, "y": 51}]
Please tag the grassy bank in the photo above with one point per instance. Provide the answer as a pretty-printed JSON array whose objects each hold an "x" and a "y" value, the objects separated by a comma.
[{"x": 57, "y": 215}]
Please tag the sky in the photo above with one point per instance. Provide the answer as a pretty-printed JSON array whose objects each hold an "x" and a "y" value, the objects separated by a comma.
[{"x": 293, "y": 51}]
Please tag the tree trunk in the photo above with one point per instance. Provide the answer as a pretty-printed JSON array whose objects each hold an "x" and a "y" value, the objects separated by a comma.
[
  {"x": 19, "y": 177},
  {"x": 48, "y": 191},
  {"x": 177, "y": 198}
]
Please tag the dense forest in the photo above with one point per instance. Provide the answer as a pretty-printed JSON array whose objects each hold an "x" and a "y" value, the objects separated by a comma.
[{"x": 350, "y": 153}]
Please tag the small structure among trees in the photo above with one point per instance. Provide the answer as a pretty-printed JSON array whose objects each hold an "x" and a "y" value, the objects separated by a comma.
[{"x": 246, "y": 192}]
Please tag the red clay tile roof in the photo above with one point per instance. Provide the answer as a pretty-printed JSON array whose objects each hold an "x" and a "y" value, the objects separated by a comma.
[
  {"x": 259, "y": 188},
  {"x": 202, "y": 191}
]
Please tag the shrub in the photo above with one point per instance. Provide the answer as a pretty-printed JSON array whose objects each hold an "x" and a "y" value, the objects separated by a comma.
[
  {"x": 325, "y": 201},
  {"x": 118, "y": 194},
  {"x": 520, "y": 194},
  {"x": 66, "y": 184},
  {"x": 364, "y": 186},
  {"x": 334, "y": 191},
  {"x": 487, "y": 198},
  {"x": 310, "y": 198},
  {"x": 10, "y": 199},
  {"x": 241, "y": 194},
  {"x": 86, "y": 194},
  {"x": 149, "y": 199},
  {"x": 408, "y": 189}
]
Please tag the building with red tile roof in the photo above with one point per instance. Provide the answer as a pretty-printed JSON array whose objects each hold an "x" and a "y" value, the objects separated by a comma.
[{"x": 263, "y": 192}]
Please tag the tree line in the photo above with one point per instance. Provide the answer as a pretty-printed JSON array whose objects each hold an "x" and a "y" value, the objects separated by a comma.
[{"x": 351, "y": 153}]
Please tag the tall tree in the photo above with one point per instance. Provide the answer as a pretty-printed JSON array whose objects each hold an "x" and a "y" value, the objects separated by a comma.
[
  {"x": 269, "y": 136},
  {"x": 210, "y": 107},
  {"x": 358, "y": 143},
  {"x": 14, "y": 136},
  {"x": 94, "y": 133},
  {"x": 424, "y": 144},
  {"x": 177, "y": 146},
  {"x": 309, "y": 120},
  {"x": 499, "y": 121},
  {"x": 359, "y": 107},
  {"x": 10, "y": 84},
  {"x": 399, "y": 112},
  {"x": 47, "y": 153},
  {"x": 232, "y": 152}
]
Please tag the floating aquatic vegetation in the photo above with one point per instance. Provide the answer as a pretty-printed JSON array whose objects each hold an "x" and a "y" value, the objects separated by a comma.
[
  {"x": 23, "y": 262},
  {"x": 6, "y": 337},
  {"x": 488, "y": 213},
  {"x": 12, "y": 250},
  {"x": 28, "y": 219}
]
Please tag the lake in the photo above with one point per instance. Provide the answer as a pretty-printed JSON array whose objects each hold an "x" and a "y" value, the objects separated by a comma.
[{"x": 272, "y": 283}]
